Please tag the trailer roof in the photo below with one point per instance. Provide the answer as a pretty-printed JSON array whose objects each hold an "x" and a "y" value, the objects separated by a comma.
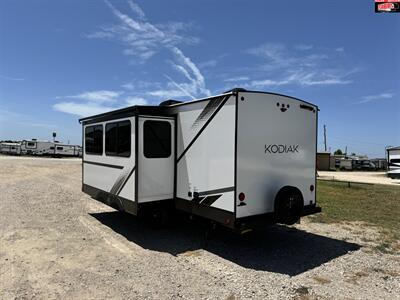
[
  {"x": 163, "y": 110},
  {"x": 393, "y": 148}
]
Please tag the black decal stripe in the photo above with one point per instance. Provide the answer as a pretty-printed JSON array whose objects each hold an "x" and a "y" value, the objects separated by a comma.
[
  {"x": 121, "y": 179},
  {"x": 102, "y": 164},
  {"x": 207, "y": 111},
  {"x": 127, "y": 178},
  {"x": 210, "y": 200},
  {"x": 202, "y": 128},
  {"x": 217, "y": 191}
]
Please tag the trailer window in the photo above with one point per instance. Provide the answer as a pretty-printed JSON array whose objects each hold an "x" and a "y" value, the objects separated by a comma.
[
  {"x": 118, "y": 139},
  {"x": 31, "y": 144},
  {"x": 157, "y": 139},
  {"x": 395, "y": 160},
  {"x": 60, "y": 148},
  {"x": 94, "y": 140}
]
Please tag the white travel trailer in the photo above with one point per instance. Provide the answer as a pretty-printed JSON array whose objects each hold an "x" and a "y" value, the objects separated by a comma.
[
  {"x": 235, "y": 158},
  {"x": 10, "y": 148},
  {"x": 61, "y": 150},
  {"x": 346, "y": 164},
  {"x": 35, "y": 147},
  {"x": 393, "y": 156}
]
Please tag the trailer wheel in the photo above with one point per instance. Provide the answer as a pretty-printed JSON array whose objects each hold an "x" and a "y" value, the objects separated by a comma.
[{"x": 288, "y": 205}]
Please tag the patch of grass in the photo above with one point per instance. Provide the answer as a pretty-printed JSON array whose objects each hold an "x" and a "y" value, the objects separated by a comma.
[
  {"x": 377, "y": 205},
  {"x": 383, "y": 247}
]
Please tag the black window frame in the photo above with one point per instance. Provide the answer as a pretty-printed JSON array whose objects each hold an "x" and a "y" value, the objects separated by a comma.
[
  {"x": 166, "y": 147},
  {"x": 117, "y": 145},
  {"x": 94, "y": 127}
]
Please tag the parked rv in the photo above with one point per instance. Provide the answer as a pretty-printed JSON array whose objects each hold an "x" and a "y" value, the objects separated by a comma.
[
  {"x": 235, "y": 158},
  {"x": 10, "y": 148},
  {"x": 393, "y": 156},
  {"x": 36, "y": 147},
  {"x": 364, "y": 165},
  {"x": 61, "y": 150},
  {"x": 346, "y": 164}
]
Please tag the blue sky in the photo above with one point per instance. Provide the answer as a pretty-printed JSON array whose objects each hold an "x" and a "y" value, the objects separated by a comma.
[{"x": 60, "y": 60}]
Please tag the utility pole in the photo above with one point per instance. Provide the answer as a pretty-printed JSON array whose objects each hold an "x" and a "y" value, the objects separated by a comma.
[
  {"x": 325, "y": 138},
  {"x": 54, "y": 142}
]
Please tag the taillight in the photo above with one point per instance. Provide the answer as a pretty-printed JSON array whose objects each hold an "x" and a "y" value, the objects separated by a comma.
[
  {"x": 242, "y": 196},
  {"x": 311, "y": 188}
]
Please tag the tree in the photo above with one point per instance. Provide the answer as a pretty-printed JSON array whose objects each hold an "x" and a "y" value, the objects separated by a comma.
[{"x": 338, "y": 152}]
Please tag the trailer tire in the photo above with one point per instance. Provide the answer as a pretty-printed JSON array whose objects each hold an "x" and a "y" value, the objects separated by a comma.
[{"x": 288, "y": 205}]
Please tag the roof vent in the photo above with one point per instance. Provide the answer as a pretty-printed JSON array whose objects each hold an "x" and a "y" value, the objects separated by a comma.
[{"x": 169, "y": 102}]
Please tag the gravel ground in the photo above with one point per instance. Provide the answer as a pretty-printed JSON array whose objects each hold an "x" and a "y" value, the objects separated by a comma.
[
  {"x": 56, "y": 242},
  {"x": 359, "y": 176}
]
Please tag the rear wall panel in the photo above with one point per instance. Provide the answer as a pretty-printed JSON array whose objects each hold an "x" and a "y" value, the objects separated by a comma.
[{"x": 263, "y": 129}]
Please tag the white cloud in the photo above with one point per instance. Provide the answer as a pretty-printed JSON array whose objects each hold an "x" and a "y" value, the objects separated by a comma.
[
  {"x": 268, "y": 82},
  {"x": 283, "y": 67},
  {"x": 182, "y": 87},
  {"x": 137, "y": 10},
  {"x": 278, "y": 56},
  {"x": 208, "y": 64},
  {"x": 81, "y": 109},
  {"x": 143, "y": 40},
  {"x": 303, "y": 78},
  {"x": 376, "y": 97},
  {"x": 168, "y": 94},
  {"x": 95, "y": 102},
  {"x": 340, "y": 49},
  {"x": 96, "y": 96},
  {"x": 197, "y": 85},
  {"x": 136, "y": 101},
  {"x": 236, "y": 79}
]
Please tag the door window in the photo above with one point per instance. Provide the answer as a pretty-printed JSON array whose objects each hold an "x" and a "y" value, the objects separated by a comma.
[
  {"x": 157, "y": 139},
  {"x": 118, "y": 139},
  {"x": 94, "y": 139}
]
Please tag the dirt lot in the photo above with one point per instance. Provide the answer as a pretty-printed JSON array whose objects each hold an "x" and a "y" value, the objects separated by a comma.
[
  {"x": 56, "y": 242},
  {"x": 359, "y": 176}
]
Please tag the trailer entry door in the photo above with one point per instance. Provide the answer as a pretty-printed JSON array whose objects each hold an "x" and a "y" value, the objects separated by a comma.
[{"x": 155, "y": 159}]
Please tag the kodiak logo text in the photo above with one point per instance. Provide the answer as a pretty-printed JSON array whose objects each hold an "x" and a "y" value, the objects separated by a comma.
[{"x": 281, "y": 149}]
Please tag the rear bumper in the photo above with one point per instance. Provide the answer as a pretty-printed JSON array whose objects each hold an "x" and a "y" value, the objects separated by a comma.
[{"x": 310, "y": 209}]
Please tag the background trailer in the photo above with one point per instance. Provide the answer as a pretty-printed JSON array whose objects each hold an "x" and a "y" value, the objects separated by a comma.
[
  {"x": 234, "y": 158},
  {"x": 10, "y": 148}
]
